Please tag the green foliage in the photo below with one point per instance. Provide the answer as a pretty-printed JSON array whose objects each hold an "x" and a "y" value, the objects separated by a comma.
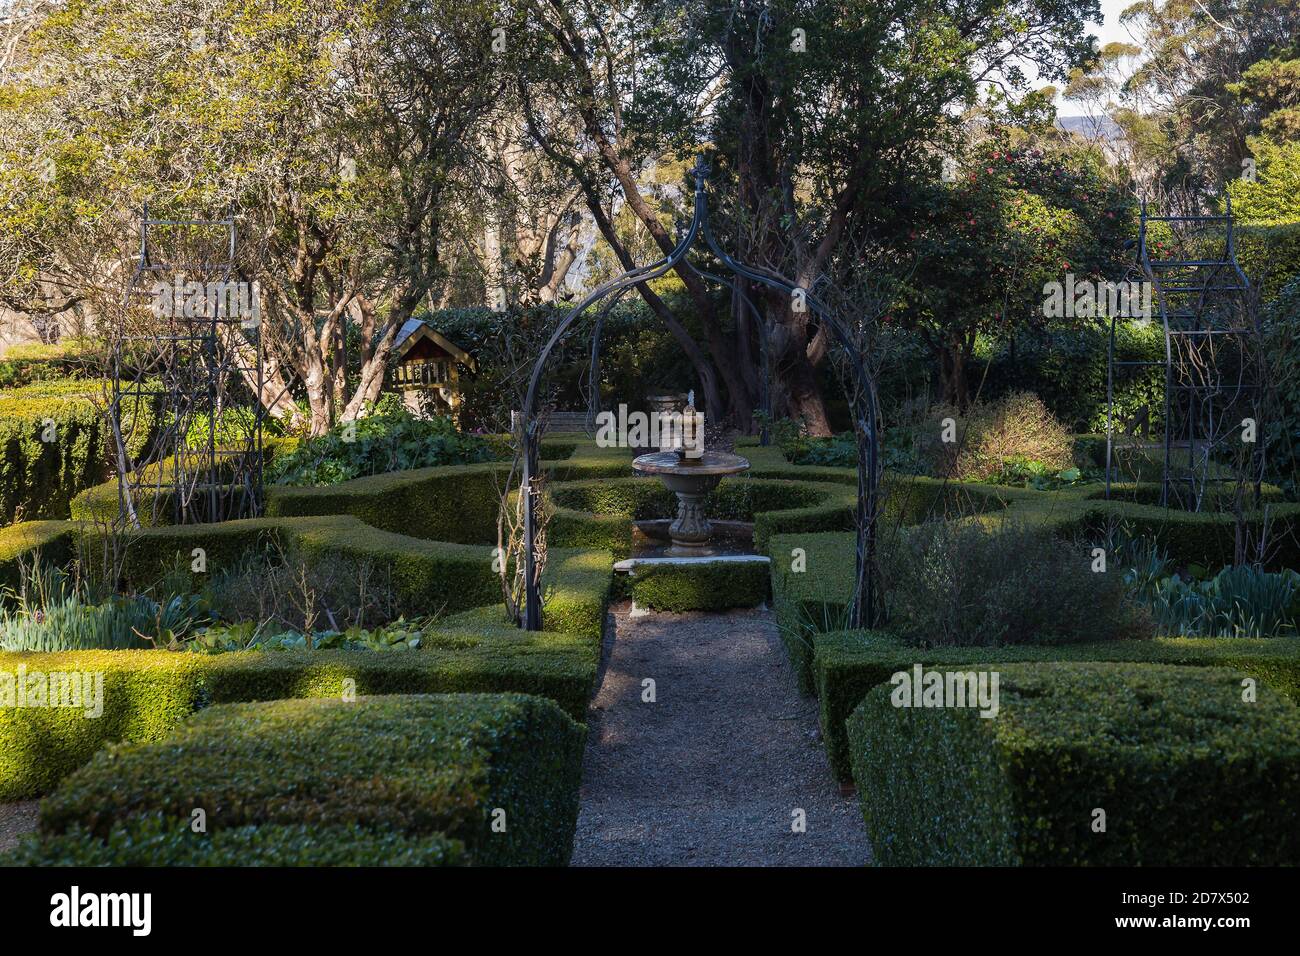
[
  {"x": 396, "y": 441},
  {"x": 713, "y": 586},
  {"x": 1015, "y": 219},
  {"x": 120, "y": 623},
  {"x": 1281, "y": 322},
  {"x": 235, "y": 426},
  {"x": 399, "y": 635},
  {"x": 964, "y": 585},
  {"x": 1066, "y": 368},
  {"x": 849, "y": 664},
  {"x": 150, "y": 839},
  {"x": 28, "y": 363},
  {"x": 1273, "y": 196},
  {"x": 418, "y": 766},
  {"x": 50, "y": 612},
  {"x": 1160, "y": 749},
  {"x": 1237, "y": 602},
  {"x": 1270, "y": 256}
]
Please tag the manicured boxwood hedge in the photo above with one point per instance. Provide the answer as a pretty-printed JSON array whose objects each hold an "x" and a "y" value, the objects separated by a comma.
[
  {"x": 147, "y": 693},
  {"x": 422, "y": 767},
  {"x": 848, "y": 665},
  {"x": 1187, "y": 773},
  {"x": 703, "y": 586},
  {"x": 427, "y": 575},
  {"x": 812, "y": 578},
  {"x": 40, "y": 477},
  {"x": 154, "y": 840}
]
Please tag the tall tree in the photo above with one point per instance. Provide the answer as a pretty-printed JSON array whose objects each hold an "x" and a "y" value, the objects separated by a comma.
[
  {"x": 335, "y": 130},
  {"x": 817, "y": 112}
]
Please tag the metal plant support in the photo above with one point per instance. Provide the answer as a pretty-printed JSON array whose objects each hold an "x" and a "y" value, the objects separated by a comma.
[
  {"x": 1213, "y": 374},
  {"x": 174, "y": 369},
  {"x": 866, "y": 422}
]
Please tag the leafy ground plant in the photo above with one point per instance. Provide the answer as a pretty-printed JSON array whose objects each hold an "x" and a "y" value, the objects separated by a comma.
[
  {"x": 1237, "y": 602},
  {"x": 50, "y": 611},
  {"x": 400, "y": 635},
  {"x": 391, "y": 441}
]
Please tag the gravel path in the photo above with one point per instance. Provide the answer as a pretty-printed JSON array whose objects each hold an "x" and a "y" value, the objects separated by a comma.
[
  {"x": 709, "y": 774},
  {"x": 15, "y": 820}
]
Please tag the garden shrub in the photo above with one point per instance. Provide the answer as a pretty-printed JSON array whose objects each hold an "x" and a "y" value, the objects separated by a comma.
[
  {"x": 1269, "y": 255},
  {"x": 150, "y": 839},
  {"x": 812, "y": 580},
  {"x": 1187, "y": 773},
  {"x": 1016, "y": 428},
  {"x": 148, "y": 693},
  {"x": 39, "y": 477},
  {"x": 420, "y": 766},
  {"x": 377, "y": 444},
  {"x": 1067, "y": 369},
  {"x": 27, "y": 363},
  {"x": 703, "y": 586},
  {"x": 144, "y": 695},
  {"x": 848, "y": 664},
  {"x": 960, "y": 584}
]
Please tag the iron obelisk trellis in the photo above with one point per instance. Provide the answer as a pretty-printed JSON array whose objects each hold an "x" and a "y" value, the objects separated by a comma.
[
  {"x": 866, "y": 425},
  {"x": 182, "y": 364},
  {"x": 1213, "y": 354}
]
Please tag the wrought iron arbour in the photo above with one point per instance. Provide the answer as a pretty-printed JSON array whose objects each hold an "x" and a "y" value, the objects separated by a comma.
[
  {"x": 866, "y": 419},
  {"x": 173, "y": 375},
  {"x": 1212, "y": 365}
]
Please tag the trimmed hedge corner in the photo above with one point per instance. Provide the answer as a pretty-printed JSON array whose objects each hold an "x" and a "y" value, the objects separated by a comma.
[
  {"x": 849, "y": 664},
  {"x": 1187, "y": 773},
  {"x": 423, "y": 767}
]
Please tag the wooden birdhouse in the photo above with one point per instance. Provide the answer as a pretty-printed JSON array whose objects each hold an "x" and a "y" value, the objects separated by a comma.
[{"x": 426, "y": 369}]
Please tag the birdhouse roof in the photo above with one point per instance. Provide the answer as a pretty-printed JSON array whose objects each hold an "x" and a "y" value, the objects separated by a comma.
[{"x": 418, "y": 330}]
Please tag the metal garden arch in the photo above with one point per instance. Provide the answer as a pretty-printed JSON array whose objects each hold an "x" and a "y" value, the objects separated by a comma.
[{"x": 863, "y": 401}]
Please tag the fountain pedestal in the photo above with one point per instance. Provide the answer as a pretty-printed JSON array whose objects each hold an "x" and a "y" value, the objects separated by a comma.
[{"x": 691, "y": 479}]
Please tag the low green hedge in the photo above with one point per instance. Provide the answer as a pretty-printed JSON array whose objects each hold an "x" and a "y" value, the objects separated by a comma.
[
  {"x": 427, "y": 576},
  {"x": 422, "y": 767},
  {"x": 39, "y": 477},
  {"x": 153, "y": 840},
  {"x": 812, "y": 579},
  {"x": 1186, "y": 772},
  {"x": 147, "y": 693},
  {"x": 53, "y": 541},
  {"x": 703, "y": 586},
  {"x": 848, "y": 665}
]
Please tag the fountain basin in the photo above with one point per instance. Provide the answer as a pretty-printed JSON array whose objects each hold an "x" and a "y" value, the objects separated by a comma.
[{"x": 690, "y": 479}]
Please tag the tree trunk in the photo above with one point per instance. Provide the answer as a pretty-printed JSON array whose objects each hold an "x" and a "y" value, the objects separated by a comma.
[{"x": 952, "y": 374}]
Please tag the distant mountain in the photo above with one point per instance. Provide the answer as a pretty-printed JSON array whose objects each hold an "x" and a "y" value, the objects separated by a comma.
[{"x": 1093, "y": 127}]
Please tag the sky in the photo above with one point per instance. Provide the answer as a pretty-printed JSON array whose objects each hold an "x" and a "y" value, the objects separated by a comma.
[{"x": 1107, "y": 32}]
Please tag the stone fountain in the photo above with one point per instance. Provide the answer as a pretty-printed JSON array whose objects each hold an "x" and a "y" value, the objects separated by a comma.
[{"x": 690, "y": 474}]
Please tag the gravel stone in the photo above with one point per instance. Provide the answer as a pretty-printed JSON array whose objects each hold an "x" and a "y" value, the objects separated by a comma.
[{"x": 709, "y": 774}]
